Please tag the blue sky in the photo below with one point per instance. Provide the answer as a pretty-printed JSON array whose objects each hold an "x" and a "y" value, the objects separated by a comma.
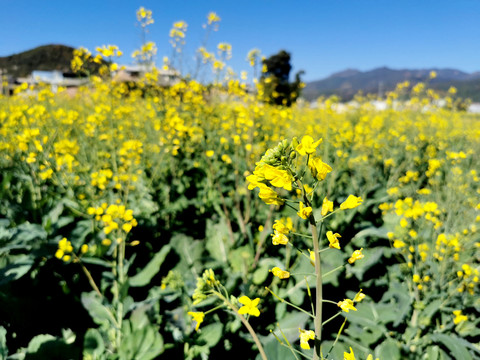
[{"x": 322, "y": 36}]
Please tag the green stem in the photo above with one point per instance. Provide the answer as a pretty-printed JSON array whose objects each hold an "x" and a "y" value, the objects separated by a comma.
[
  {"x": 333, "y": 317},
  {"x": 332, "y": 271},
  {"x": 318, "y": 290},
  {"x": 318, "y": 271},
  {"x": 245, "y": 322},
  {"x": 286, "y": 340},
  {"x": 121, "y": 282},
  {"x": 289, "y": 303},
  {"x": 336, "y": 339}
]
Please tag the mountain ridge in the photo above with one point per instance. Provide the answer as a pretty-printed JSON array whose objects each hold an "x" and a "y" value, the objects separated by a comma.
[
  {"x": 44, "y": 57},
  {"x": 349, "y": 82}
]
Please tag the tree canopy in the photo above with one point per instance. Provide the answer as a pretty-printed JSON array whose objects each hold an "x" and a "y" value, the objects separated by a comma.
[{"x": 275, "y": 79}]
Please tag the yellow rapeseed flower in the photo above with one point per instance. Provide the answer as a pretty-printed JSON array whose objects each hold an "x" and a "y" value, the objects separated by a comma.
[
  {"x": 269, "y": 196},
  {"x": 346, "y": 305},
  {"x": 306, "y": 335},
  {"x": 307, "y": 145},
  {"x": 282, "y": 274},
  {"x": 349, "y": 356},
  {"x": 198, "y": 317},
  {"x": 333, "y": 239},
  {"x": 351, "y": 202},
  {"x": 459, "y": 317},
  {"x": 250, "y": 306},
  {"x": 283, "y": 226},
  {"x": 398, "y": 244},
  {"x": 357, "y": 255},
  {"x": 359, "y": 297},
  {"x": 279, "y": 238},
  {"x": 327, "y": 206},
  {"x": 318, "y": 168},
  {"x": 305, "y": 211}
]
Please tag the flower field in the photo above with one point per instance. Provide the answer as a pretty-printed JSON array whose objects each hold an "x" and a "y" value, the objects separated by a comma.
[{"x": 198, "y": 222}]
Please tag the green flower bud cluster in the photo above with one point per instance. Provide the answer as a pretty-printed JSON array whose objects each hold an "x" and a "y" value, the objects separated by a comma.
[
  {"x": 281, "y": 156},
  {"x": 205, "y": 284},
  {"x": 173, "y": 280}
]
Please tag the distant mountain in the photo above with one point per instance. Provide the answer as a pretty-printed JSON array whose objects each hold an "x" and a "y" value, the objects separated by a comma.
[
  {"x": 47, "y": 57},
  {"x": 347, "y": 83}
]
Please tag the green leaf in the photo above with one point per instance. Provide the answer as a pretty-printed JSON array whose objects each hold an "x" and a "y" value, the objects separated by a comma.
[
  {"x": 372, "y": 257},
  {"x": 52, "y": 216},
  {"x": 261, "y": 273},
  {"x": 46, "y": 346},
  {"x": 141, "y": 340},
  {"x": 3, "y": 343},
  {"x": 274, "y": 350},
  {"x": 81, "y": 230},
  {"x": 380, "y": 232},
  {"x": 389, "y": 349},
  {"x": 433, "y": 353},
  {"x": 290, "y": 324},
  {"x": 241, "y": 258},
  {"x": 93, "y": 344},
  {"x": 144, "y": 277},
  {"x": 100, "y": 313},
  {"x": 454, "y": 344},
  {"x": 96, "y": 261},
  {"x": 218, "y": 241},
  {"x": 211, "y": 334},
  {"x": 426, "y": 314},
  {"x": 468, "y": 328},
  {"x": 18, "y": 268},
  {"x": 27, "y": 232},
  {"x": 190, "y": 252}
]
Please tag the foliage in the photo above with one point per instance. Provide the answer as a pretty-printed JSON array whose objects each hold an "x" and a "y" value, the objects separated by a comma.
[
  {"x": 277, "y": 88},
  {"x": 126, "y": 222}
]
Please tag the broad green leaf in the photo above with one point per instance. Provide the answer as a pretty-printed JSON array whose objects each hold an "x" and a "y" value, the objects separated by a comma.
[
  {"x": 241, "y": 258},
  {"x": 433, "y": 353},
  {"x": 211, "y": 334},
  {"x": 218, "y": 241},
  {"x": 372, "y": 257},
  {"x": 145, "y": 275},
  {"x": 372, "y": 232},
  {"x": 426, "y": 314},
  {"x": 143, "y": 343},
  {"x": 27, "y": 232},
  {"x": 37, "y": 341},
  {"x": 291, "y": 322},
  {"x": 389, "y": 349},
  {"x": 93, "y": 344},
  {"x": 3, "y": 343},
  {"x": 296, "y": 296},
  {"x": 190, "y": 252},
  {"x": 468, "y": 328},
  {"x": 18, "y": 268},
  {"x": 274, "y": 350},
  {"x": 99, "y": 312},
  {"x": 52, "y": 216},
  {"x": 81, "y": 230},
  {"x": 261, "y": 273},
  {"x": 454, "y": 344}
]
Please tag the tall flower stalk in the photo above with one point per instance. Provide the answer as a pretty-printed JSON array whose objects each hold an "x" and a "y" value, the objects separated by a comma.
[{"x": 281, "y": 170}]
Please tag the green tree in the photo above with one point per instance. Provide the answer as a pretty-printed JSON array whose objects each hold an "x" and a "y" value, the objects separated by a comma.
[{"x": 275, "y": 80}]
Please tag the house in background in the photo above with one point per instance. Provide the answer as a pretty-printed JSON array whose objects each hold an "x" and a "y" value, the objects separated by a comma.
[
  {"x": 54, "y": 78},
  {"x": 133, "y": 73}
]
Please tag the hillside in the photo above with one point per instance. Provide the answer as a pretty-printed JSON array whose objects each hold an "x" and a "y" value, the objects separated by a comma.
[
  {"x": 381, "y": 80},
  {"x": 47, "y": 57}
]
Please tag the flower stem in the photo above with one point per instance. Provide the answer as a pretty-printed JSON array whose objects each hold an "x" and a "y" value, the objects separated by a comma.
[
  {"x": 245, "y": 322},
  {"x": 318, "y": 290},
  {"x": 289, "y": 303}
]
